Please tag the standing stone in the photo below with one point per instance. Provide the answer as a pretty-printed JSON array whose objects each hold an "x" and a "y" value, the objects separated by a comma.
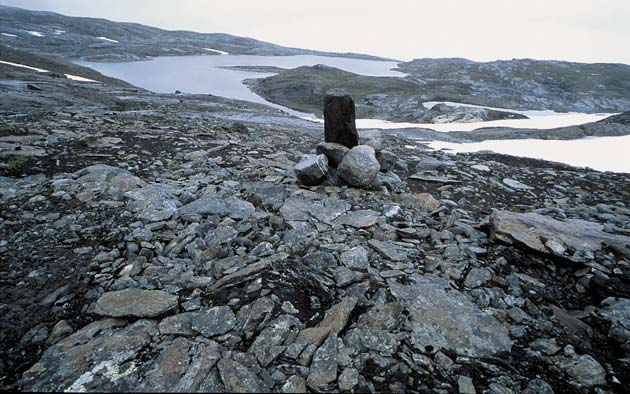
[
  {"x": 339, "y": 117},
  {"x": 359, "y": 167}
]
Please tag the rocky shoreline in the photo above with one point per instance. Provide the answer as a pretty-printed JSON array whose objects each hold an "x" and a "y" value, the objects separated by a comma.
[{"x": 162, "y": 242}]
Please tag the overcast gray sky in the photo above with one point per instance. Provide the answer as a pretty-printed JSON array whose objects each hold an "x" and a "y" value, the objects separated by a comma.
[{"x": 578, "y": 30}]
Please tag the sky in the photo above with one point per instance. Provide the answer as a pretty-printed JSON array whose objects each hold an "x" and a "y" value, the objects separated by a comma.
[{"x": 483, "y": 30}]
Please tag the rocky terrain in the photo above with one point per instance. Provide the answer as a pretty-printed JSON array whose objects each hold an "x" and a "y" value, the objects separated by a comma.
[
  {"x": 388, "y": 98},
  {"x": 521, "y": 84},
  {"x": 165, "y": 243},
  {"x": 93, "y": 39}
]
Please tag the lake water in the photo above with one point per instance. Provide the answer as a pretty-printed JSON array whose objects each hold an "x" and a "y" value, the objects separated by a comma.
[
  {"x": 599, "y": 153},
  {"x": 201, "y": 75}
]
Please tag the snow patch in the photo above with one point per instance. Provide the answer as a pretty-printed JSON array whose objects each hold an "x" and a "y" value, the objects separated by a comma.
[
  {"x": 79, "y": 79},
  {"x": 57, "y": 32},
  {"x": 39, "y": 70},
  {"x": 8, "y": 35},
  {"x": 34, "y": 33},
  {"x": 107, "y": 39},
  {"x": 216, "y": 51}
]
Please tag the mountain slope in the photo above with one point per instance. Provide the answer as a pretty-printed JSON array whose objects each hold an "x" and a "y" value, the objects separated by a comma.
[
  {"x": 524, "y": 83},
  {"x": 96, "y": 39}
]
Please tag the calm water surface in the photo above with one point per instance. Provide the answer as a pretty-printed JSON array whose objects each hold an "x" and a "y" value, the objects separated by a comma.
[{"x": 201, "y": 75}]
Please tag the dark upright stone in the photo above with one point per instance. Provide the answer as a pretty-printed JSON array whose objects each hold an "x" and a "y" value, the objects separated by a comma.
[{"x": 340, "y": 126}]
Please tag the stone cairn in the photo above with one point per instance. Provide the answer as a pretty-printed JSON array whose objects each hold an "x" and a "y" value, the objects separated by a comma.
[{"x": 346, "y": 157}]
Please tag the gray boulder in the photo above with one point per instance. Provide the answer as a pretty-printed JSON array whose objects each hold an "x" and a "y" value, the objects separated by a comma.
[
  {"x": 359, "y": 167},
  {"x": 373, "y": 138},
  {"x": 311, "y": 170}
]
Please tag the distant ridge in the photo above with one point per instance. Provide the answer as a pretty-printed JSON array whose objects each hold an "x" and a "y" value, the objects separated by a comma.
[{"x": 96, "y": 39}]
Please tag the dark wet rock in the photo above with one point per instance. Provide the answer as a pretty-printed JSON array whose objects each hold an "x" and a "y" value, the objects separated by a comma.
[
  {"x": 465, "y": 329},
  {"x": 323, "y": 368},
  {"x": 333, "y": 151},
  {"x": 359, "y": 167},
  {"x": 339, "y": 117},
  {"x": 135, "y": 303},
  {"x": 240, "y": 379},
  {"x": 213, "y": 321},
  {"x": 311, "y": 170},
  {"x": 548, "y": 235}
]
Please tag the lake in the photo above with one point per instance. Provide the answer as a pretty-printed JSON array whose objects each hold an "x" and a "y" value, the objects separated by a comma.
[
  {"x": 598, "y": 153},
  {"x": 202, "y": 75}
]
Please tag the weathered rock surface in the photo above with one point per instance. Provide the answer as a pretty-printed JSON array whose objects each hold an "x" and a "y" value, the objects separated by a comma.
[
  {"x": 465, "y": 329},
  {"x": 359, "y": 167},
  {"x": 333, "y": 151},
  {"x": 312, "y": 169},
  {"x": 135, "y": 303},
  {"x": 568, "y": 238}
]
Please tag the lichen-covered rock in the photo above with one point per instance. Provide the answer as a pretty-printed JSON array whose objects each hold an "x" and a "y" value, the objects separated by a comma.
[
  {"x": 135, "y": 303},
  {"x": 359, "y": 167},
  {"x": 465, "y": 329}
]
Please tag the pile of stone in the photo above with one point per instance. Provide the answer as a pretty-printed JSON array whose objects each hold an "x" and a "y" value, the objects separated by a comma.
[{"x": 347, "y": 157}]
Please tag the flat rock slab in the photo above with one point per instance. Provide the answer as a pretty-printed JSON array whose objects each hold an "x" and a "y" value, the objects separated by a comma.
[
  {"x": 431, "y": 178},
  {"x": 359, "y": 219},
  {"x": 324, "y": 366},
  {"x": 389, "y": 250},
  {"x": 240, "y": 379},
  {"x": 135, "y": 303},
  {"x": 547, "y": 235},
  {"x": 215, "y": 204},
  {"x": 443, "y": 318},
  {"x": 214, "y": 321},
  {"x": 99, "y": 357}
]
